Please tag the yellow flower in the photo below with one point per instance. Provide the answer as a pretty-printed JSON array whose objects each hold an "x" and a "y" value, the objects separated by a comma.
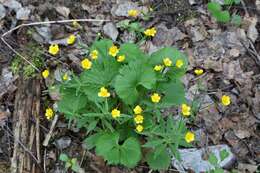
[
  {"x": 155, "y": 97},
  {"x": 138, "y": 109},
  {"x": 198, "y": 71},
  {"x": 103, "y": 92},
  {"x": 139, "y": 119},
  {"x": 121, "y": 58},
  {"x": 65, "y": 77},
  {"x": 167, "y": 62},
  {"x": 158, "y": 67},
  {"x": 150, "y": 32},
  {"x": 189, "y": 137},
  {"x": 185, "y": 109},
  {"x": 86, "y": 64},
  {"x": 75, "y": 24},
  {"x": 45, "y": 73},
  {"x": 225, "y": 100},
  {"x": 49, "y": 113},
  {"x": 179, "y": 63},
  {"x": 133, "y": 13},
  {"x": 139, "y": 128},
  {"x": 113, "y": 50},
  {"x": 71, "y": 39},
  {"x": 94, "y": 54},
  {"x": 54, "y": 49},
  {"x": 115, "y": 113}
]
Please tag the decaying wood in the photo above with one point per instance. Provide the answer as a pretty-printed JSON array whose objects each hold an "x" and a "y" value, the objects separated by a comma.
[{"x": 26, "y": 152}]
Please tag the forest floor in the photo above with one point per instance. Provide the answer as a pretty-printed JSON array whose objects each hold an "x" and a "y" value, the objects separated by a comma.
[{"x": 229, "y": 55}]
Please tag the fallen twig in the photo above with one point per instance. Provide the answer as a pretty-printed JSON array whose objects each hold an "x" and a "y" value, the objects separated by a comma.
[{"x": 48, "y": 136}]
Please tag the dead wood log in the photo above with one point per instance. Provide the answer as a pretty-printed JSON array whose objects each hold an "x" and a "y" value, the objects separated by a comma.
[{"x": 26, "y": 133}]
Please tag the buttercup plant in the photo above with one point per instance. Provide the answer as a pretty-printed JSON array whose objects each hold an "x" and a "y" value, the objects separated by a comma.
[{"x": 118, "y": 99}]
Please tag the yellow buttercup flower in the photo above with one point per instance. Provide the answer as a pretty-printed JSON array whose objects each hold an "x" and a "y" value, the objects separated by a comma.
[
  {"x": 167, "y": 62},
  {"x": 155, "y": 98},
  {"x": 198, "y": 71},
  {"x": 86, "y": 64},
  {"x": 138, "y": 109},
  {"x": 71, "y": 39},
  {"x": 54, "y": 49},
  {"x": 45, "y": 73},
  {"x": 185, "y": 109},
  {"x": 158, "y": 67},
  {"x": 189, "y": 137},
  {"x": 65, "y": 77},
  {"x": 179, "y": 63},
  {"x": 49, "y": 113},
  {"x": 150, "y": 32},
  {"x": 121, "y": 58},
  {"x": 75, "y": 24},
  {"x": 113, "y": 50},
  {"x": 115, "y": 113},
  {"x": 133, "y": 13},
  {"x": 94, "y": 54},
  {"x": 139, "y": 119},
  {"x": 103, "y": 92},
  {"x": 139, "y": 128},
  {"x": 225, "y": 100}
]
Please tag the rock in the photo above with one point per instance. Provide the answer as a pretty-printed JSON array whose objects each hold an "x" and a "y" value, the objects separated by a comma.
[
  {"x": 166, "y": 37},
  {"x": 6, "y": 82},
  {"x": 123, "y": 7},
  {"x": 111, "y": 31},
  {"x": 252, "y": 32},
  {"x": 192, "y": 159},
  {"x": 63, "y": 142},
  {"x": 12, "y": 4},
  {"x": 2, "y": 11},
  {"x": 62, "y": 10},
  {"x": 23, "y": 13},
  {"x": 192, "y": 2},
  {"x": 196, "y": 34},
  {"x": 44, "y": 32},
  {"x": 99, "y": 17}
]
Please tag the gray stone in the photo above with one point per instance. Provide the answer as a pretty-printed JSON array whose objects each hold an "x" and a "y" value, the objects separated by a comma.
[
  {"x": 99, "y": 17},
  {"x": 111, "y": 31},
  {"x": 23, "y": 13},
  {"x": 123, "y": 8},
  {"x": 2, "y": 11},
  {"x": 63, "y": 142},
  {"x": 62, "y": 10},
  {"x": 193, "y": 159},
  {"x": 166, "y": 37},
  {"x": 196, "y": 34},
  {"x": 44, "y": 32},
  {"x": 12, "y": 4}
]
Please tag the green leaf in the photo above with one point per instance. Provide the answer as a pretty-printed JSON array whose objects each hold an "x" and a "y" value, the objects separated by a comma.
[
  {"x": 106, "y": 143},
  {"x": 130, "y": 152},
  {"x": 228, "y": 2},
  {"x": 237, "y": 1},
  {"x": 218, "y": 170},
  {"x": 173, "y": 93},
  {"x": 214, "y": 7},
  {"x": 70, "y": 103},
  {"x": 100, "y": 75},
  {"x": 131, "y": 52},
  {"x": 75, "y": 168},
  {"x": 213, "y": 159},
  {"x": 168, "y": 52},
  {"x": 162, "y": 161},
  {"x": 64, "y": 157},
  {"x": 152, "y": 143},
  {"x": 222, "y": 16},
  {"x": 135, "y": 74},
  {"x": 102, "y": 46},
  {"x": 91, "y": 141},
  {"x": 224, "y": 154},
  {"x": 92, "y": 125},
  {"x": 236, "y": 19},
  {"x": 67, "y": 164}
]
